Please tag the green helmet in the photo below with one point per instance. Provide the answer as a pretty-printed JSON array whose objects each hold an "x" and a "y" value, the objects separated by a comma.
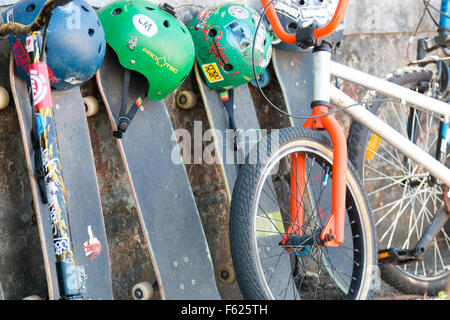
[
  {"x": 149, "y": 39},
  {"x": 223, "y": 38}
]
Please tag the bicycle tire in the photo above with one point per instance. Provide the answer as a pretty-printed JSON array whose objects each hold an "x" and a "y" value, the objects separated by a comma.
[
  {"x": 314, "y": 268},
  {"x": 402, "y": 278}
]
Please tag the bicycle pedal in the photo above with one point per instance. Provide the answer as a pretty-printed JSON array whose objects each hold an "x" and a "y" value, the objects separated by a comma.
[{"x": 396, "y": 256}]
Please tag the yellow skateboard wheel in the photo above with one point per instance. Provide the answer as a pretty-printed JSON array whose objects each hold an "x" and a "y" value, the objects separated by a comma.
[
  {"x": 186, "y": 100},
  {"x": 91, "y": 105}
]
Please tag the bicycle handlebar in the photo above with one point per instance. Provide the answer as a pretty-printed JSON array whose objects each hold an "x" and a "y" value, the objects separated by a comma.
[
  {"x": 37, "y": 24},
  {"x": 318, "y": 33}
]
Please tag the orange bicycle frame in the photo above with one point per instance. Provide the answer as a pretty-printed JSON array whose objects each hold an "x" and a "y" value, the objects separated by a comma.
[{"x": 333, "y": 232}]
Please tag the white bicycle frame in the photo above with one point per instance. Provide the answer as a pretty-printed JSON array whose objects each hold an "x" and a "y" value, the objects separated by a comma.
[{"x": 384, "y": 131}]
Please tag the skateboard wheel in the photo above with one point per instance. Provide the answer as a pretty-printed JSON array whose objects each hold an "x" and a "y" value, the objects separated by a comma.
[
  {"x": 186, "y": 100},
  {"x": 264, "y": 79},
  {"x": 142, "y": 291},
  {"x": 4, "y": 98},
  {"x": 226, "y": 274},
  {"x": 33, "y": 297},
  {"x": 91, "y": 105}
]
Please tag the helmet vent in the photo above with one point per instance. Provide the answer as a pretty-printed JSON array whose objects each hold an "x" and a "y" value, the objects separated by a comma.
[
  {"x": 117, "y": 11},
  {"x": 212, "y": 33},
  {"x": 91, "y": 32},
  {"x": 228, "y": 67},
  {"x": 149, "y": 9},
  {"x": 166, "y": 23},
  {"x": 100, "y": 48},
  {"x": 30, "y": 8},
  {"x": 84, "y": 8}
]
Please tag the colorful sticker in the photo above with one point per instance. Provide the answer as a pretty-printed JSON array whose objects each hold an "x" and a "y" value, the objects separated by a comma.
[
  {"x": 239, "y": 35},
  {"x": 212, "y": 72},
  {"x": 41, "y": 123},
  {"x": 21, "y": 56},
  {"x": 61, "y": 245},
  {"x": 287, "y": 9},
  {"x": 10, "y": 16},
  {"x": 132, "y": 43},
  {"x": 39, "y": 86},
  {"x": 238, "y": 12},
  {"x": 203, "y": 17},
  {"x": 93, "y": 246},
  {"x": 145, "y": 25},
  {"x": 30, "y": 44},
  {"x": 319, "y": 14},
  {"x": 266, "y": 60}
]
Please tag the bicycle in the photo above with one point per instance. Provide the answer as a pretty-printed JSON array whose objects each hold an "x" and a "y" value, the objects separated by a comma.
[
  {"x": 71, "y": 277},
  {"x": 315, "y": 247},
  {"x": 410, "y": 207}
]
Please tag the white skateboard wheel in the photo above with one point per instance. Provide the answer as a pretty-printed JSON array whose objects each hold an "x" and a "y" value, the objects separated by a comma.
[
  {"x": 91, "y": 105},
  {"x": 186, "y": 100},
  {"x": 4, "y": 98},
  {"x": 142, "y": 291}
]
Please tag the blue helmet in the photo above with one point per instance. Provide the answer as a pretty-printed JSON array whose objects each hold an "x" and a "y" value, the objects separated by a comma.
[{"x": 75, "y": 44}]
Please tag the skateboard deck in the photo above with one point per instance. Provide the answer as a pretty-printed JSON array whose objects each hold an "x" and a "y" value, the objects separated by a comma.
[
  {"x": 293, "y": 70},
  {"x": 164, "y": 201},
  {"x": 249, "y": 133},
  {"x": 83, "y": 197}
]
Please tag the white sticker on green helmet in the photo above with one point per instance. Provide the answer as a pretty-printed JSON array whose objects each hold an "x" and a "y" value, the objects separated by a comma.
[
  {"x": 145, "y": 25},
  {"x": 238, "y": 12}
]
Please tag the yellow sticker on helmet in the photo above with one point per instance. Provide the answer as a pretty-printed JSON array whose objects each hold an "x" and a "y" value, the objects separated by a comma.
[{"x": 212, "y": 72}]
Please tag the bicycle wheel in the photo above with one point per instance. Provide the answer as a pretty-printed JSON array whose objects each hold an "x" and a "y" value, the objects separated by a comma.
[
  {"x": 267, "y": 266},
  {"x": 403, "y": 196}
]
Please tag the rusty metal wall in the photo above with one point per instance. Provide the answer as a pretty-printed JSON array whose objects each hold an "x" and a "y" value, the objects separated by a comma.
[{"x": 376, "y": 37}]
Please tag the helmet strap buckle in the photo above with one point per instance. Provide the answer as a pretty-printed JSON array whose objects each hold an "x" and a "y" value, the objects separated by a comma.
[
  {"x": 124, "y": 117},
  {"x": 169, "y": 9}
]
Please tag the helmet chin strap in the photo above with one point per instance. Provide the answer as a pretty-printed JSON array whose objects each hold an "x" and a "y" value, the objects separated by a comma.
[
  {"x": 124, "y": 117},
  {"x": 227, "y": 96}
]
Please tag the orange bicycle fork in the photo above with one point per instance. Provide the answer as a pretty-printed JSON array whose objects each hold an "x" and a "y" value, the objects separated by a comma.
[{"x": 333, "y": 232}]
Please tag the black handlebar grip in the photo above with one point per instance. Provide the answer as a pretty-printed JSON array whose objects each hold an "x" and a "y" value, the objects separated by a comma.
[{"x": 61, "y": 2}]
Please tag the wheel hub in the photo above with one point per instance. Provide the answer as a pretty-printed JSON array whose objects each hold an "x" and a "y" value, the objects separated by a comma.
[{"x": 301, "y": 245}]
